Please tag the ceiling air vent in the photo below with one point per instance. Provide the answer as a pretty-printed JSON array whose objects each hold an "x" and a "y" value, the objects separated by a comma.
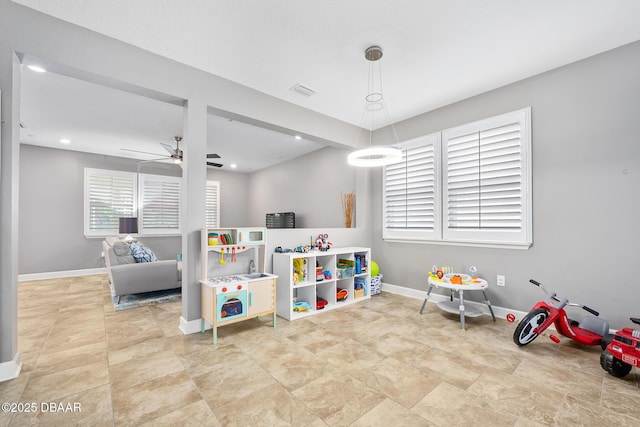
[{"x": 303, "y": 90}]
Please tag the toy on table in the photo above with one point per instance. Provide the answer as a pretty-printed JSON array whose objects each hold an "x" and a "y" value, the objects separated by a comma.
[
  {"x": 456, "y": 280},
  {"x": 474, "y": 272},
  {"x": 322, "y": 242}
]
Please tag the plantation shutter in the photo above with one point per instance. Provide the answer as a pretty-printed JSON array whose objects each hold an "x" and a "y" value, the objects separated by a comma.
[
  {"x": 486, "y": 174},
  {"x": 160, "y": 204},
  {"x": 109, "y": 195},
  {"x": 213, "y": 204},
  {"x": 411, "y": 193}
]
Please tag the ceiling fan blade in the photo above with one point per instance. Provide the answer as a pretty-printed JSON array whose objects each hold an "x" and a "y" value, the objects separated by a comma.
[
  {"x": 154, "y": 160},
  {"x": 169, "y": 148},
  {"x": 217, "y": 165},
  {"x": 213, "y": 156},
  {"x": 143, "y": 152}
]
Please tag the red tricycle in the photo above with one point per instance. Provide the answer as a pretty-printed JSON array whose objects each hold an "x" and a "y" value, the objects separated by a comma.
[
  {"x": 589, "y": 331},
  {"x": 623, "y": 352}
]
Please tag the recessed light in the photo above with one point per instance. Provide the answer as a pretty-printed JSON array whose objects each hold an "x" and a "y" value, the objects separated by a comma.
[
  {"x": 233, "y": 166},
  {"x": 298, "y": 137},
  {"x": 65, "y": 141},
  {"x": 36, "y": 68}
]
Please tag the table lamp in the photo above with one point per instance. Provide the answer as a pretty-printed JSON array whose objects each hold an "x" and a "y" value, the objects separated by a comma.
[{"x": 128, "y": 226}]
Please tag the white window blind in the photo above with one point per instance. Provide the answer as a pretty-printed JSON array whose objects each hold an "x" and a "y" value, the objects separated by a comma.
[
  {"x": 486, "y": 195},
  {"x": 467, "y": 185},
  {"x": 109, "y": 195},
  {"x": 213, "y": 204},
  {"x": 159, "y": 211},
  {"x": 411, "y": 192}
]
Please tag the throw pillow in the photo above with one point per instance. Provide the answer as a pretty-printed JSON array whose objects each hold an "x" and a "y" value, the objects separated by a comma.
[
  {"x": 123, "y": 252},
  {"x": 142, "y": 253}
]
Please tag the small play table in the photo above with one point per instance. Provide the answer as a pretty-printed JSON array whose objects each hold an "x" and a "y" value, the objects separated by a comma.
[{"x": 468, "y": 284}]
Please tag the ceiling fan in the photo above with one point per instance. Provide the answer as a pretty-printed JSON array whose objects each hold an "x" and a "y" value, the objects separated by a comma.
[
  {"x": 175, "y": 154},
  {"x": 214, "y": 164}
]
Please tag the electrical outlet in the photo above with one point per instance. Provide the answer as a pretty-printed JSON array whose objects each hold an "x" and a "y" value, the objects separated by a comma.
[{"x": 501, "y": 280}]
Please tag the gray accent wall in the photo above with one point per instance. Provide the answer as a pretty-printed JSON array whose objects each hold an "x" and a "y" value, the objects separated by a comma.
[
  {"x": 586, "y": 202},
  {"x": 311, "y": 186},
  {"x": 234, "y": 196},
  {"x": 52, "y": 209}
]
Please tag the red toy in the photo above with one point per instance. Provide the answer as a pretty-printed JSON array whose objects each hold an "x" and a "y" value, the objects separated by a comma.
[
  {"x": 590, "y": 330},
  {"x": 320, "y": 303},
  {"x": 623, "y": 352}
]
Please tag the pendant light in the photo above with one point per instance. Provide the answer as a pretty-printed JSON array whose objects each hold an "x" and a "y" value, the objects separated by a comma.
[{"x": 375, "y": 155}]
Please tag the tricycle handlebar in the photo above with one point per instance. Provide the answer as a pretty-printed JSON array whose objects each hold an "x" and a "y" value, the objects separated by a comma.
[
  {"x": 590, "y": 310},
  {"x": 553, "y": 295}
]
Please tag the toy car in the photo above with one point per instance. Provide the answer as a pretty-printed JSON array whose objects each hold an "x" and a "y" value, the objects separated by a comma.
[
  {"x": 301, "y": 306},
  {"x": 320, "y": 303},
  {"x": 623, "y": 352}
]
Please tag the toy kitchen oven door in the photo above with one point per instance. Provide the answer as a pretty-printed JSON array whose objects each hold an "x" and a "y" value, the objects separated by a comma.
[{"x": 231, "y": 301}]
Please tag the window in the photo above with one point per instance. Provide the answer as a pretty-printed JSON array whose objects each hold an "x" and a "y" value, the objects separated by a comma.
[
  {"x": 411, "y": 192},
  {"x": 109, "y": 195},
  {"x": 159, "y": 211},
  {"x": 213, "y": 204},
  {"x": 475, "y": 190}
]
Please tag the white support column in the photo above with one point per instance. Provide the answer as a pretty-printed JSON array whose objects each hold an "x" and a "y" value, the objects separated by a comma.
[
  {"x": 194, "y": 177},
  {"x": 10, "y": 363}
]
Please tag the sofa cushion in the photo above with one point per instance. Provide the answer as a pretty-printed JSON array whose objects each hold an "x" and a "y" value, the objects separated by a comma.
[
  {"x": 142, "y": 253},
  {"x": 123, "y": 252}
]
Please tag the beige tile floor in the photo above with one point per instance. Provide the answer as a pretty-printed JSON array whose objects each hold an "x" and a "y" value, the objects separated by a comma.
[{"x": 375, "y": 363}]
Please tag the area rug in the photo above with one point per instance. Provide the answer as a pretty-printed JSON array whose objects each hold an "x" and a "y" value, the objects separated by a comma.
[{"x": 146, "y": 298}]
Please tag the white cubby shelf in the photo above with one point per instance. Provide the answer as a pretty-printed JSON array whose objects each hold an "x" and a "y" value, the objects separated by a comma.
[{"x": 291, "y": 289}]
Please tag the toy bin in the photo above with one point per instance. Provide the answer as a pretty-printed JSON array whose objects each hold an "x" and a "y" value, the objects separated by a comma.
[
  {"x": 343, "y": 272},
  {"x": 376, "y": 284}
]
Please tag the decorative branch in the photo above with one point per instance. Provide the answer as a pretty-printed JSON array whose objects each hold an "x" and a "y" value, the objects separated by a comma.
[{"x": 348, "y": 203}]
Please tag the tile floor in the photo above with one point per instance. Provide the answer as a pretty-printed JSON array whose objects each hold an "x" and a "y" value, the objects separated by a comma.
[{"x": 375, "y": 363}]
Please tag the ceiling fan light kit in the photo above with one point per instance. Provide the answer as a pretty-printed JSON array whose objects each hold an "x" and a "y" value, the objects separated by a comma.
[{"x": 375, "y": 155}]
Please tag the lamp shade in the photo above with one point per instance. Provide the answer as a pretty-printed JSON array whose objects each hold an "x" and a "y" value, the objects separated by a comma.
[{"x": 128, "y": 225}]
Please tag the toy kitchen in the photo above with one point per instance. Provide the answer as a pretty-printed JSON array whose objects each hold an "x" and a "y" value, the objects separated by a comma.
[{"x": 234, "y": 286}]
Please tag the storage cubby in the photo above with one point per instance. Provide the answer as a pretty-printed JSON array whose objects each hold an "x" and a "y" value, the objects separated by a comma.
[{"x": 297, "y": 279}]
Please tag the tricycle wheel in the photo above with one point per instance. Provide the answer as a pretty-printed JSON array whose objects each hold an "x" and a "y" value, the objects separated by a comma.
[
  {"x": 615, "y": 367},
  {"x": 524, "y": 333}
]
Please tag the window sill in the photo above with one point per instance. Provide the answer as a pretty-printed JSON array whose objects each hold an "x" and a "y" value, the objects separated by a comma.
[{"x": 494, "y": 245}]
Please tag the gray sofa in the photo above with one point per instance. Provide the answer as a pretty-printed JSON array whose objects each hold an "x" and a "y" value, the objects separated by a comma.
[{"x": 130, "y": 277}]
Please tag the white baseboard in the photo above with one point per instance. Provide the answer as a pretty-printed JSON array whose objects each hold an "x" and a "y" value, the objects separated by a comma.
[
  {"x": 192, "y": 326},
  {"x": 10, "y": 370},
  {"x": 58, "y": 274},
  {"x": 500, "y": 312}
]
